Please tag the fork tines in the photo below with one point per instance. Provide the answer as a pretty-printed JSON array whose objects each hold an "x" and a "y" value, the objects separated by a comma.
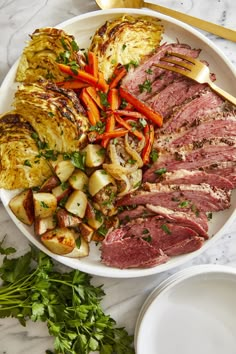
[{"x": 179, "y": 66}]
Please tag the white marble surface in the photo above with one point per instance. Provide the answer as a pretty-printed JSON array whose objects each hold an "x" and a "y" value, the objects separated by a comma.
[{"x": 124, "y": 298}]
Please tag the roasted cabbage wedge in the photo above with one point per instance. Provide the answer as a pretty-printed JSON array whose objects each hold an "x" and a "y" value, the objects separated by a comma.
[
  {"x": 21, "y": 166},
  {"x": 54, "y": 113},
  {"x": 41, "y": 54},
  {"x": 125, "y": 40}
]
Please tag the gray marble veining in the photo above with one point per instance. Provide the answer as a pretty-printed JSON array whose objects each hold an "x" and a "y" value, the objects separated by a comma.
[{"x": 124, "y": 298}]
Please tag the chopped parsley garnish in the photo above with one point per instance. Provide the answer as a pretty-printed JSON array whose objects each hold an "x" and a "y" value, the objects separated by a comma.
[
  {"x": 149, "y": 71},
  {"x": 184, "y": 204},
  {"x": 147, "y": 238},
  {"x": 154, "y": 155},
  {"x": 161, "y": 171},
  {"x": 98, "y": 127},
  {"x": 166, "y": 229},
  {"x": 146, "y": 86},
  {"x": 27, "y": 163}
]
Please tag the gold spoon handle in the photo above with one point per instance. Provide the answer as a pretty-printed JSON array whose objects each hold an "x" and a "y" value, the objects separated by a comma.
[{"x": 196, "y": 22}]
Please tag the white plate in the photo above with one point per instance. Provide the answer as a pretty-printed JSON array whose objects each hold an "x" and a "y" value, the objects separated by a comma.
[
  {"x": 193, "y": 313},
  {"x": 83, "y": 27}
]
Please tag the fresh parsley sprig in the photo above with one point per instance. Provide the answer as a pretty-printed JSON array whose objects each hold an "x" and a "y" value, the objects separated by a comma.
[{"x": 67, "y": 302}]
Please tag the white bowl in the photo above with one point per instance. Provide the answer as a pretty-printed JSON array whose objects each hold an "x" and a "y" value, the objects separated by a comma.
[
  {"x": 83, "y": 27},
  {"x": 191, "y": 312}
]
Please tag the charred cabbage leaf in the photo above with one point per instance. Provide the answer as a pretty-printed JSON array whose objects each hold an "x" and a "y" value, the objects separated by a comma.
[
  {"x": 21, "y": 166},
  {"x": 40, "y": 56},
  {"x": 55, "y": 114},
  {"x": 125, "y": 40}
]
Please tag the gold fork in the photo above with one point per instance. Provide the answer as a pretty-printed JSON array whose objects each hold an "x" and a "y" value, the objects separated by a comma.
[{"x": 195, "y": 70}]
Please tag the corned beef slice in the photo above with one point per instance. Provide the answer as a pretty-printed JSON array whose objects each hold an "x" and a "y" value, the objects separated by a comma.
[
  {"x": 131, "y": 252},
  {"x": 196, "y": 177},
  {"x": 147, "y": 242},
  {"x": 191, "y": 159},
  {"x": 180, "y": 197},
  {"x": 174, "y": 95},
  {"x": 204, "y": 105},
  {"x": 214, "y": 128},
  {"x": 224, "y": 169},
  {"x": 196, "y": 221},
  {"x": 147, "y": 71}
]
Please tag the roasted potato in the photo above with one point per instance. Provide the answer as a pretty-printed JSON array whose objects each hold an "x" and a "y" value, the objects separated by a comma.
[
  {"x": 45, "y": 204},
  {"x": 59, "y": 240},
  {"x": 81, "y": 249},
  {"x": 23, "y": 207},
  {"x": 42, "y": 225},
  {"x": 66, "y": 219},
  {"x": 95, "y": 155},
  {"x": 98, "y": 180},
  {"x": 79, "y": 180},
  {"x": 77, "y": 203}
]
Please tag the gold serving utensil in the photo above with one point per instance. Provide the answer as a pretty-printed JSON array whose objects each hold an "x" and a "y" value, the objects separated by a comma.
[
  {"x": 193, "y": 69},
  {"x": 193, "y": 21}
]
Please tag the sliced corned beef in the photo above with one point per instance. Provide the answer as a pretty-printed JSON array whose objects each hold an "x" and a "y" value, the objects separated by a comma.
[
  {"x": 195, "y": 177},
  {"x": 191, "y": 159},
  {"x": 190, "y": 112},
  {"x": 207, "y": 130},
  {"x": 195, "y": 221},
  {"x": 130, "y": 252},
  {"x": 174, "y": 95},
  {"x": 180, "y": 197},
  {"x": 185, "y": 246},
  {"x": 147, "y": 71},
  {"x": 140, "y": 211},
  {"x": 224, "y": 169},
  {"x": 147, "y": 242}
]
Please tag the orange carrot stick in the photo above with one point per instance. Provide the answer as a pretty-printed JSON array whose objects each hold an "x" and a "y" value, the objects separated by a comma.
[
  {"x": 91, "y": 107},
  {"x": 148, "y": 112}
]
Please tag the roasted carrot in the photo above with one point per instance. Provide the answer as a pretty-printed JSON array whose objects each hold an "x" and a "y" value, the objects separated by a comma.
[
  {"x": 129, "y": 127},
  {"x": 91, "y": 107},
  {"x": 110, "y": 127},
  {"x": 141, "y": 107},
  {"x": 111, "y": 135},
  {"x": 131, "y": 114},
  {"x": 149, "y": 139},
  {"x": 113, "y": 99},
  {"x": 93, "y": 93},
  {"x": 93, "y": 63},
  {"x": 82, "y": 75},
  {"x": 72, "y": 84},
  {"x": 119, "y": 72}
]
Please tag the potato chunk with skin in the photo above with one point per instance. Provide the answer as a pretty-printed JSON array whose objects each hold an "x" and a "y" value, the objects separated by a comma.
[
  {"x": 95, "y": 155},
  {"x": 22, "y": 206},
  {"x": 45, "y": 204},
  {"x": 77, "y": 203},
  {"x": 79, "y": 251},
  {"x": 60, "y": 240},
  {"x": 42, "y": 225},
  {"x": 79, "y": 180}
]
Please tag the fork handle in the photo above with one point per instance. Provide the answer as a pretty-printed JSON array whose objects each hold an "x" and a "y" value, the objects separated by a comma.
[
  {"x": 223, "y": 93},
  {"x": 196, "y": 22}
]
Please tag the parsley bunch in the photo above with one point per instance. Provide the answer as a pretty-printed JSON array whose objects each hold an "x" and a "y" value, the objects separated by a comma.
[{"x": 67, "y": 302}]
